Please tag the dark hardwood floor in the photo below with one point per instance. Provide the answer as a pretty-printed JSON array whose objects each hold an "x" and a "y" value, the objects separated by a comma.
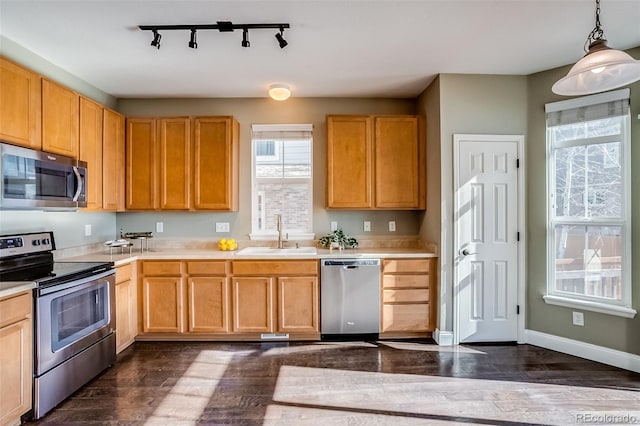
[{"x": 350, "y": 383}]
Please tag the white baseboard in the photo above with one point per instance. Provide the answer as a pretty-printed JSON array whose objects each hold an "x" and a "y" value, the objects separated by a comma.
[
  {"x": 584, "y": 350},
  {"x": 443, "y": 338}
]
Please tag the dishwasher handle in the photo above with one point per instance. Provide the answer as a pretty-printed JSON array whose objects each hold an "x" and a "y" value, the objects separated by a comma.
[{"x": 351, "y": 263}]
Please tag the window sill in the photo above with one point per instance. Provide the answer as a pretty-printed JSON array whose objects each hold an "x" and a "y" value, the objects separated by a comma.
[
  {"x": 602, "y": 308},
  {"x": 274, "y": 237}
]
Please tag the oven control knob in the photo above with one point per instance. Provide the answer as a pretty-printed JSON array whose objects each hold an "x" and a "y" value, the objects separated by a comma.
[
  {"x": 36, "y": 242},
  {"x": 45, "y": 241}
]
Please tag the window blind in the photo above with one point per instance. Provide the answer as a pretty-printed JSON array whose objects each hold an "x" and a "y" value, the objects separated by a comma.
[
  {"x": 588, "y": 108},
  {"x": 281, "y": 132}
]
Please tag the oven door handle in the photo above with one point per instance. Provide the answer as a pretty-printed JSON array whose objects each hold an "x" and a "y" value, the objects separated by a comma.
[{"x": 74, "y": 283}]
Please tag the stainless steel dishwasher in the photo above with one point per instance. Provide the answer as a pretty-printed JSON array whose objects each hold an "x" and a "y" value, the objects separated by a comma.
[{"x": 349, "y": 298}]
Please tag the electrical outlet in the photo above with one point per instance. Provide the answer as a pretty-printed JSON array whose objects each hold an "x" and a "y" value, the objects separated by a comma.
[
  {"x": 367, "y": 226},
  {"x": 392, "y": 226},
  {"x": 334, "y": 226},
  {"x": 222, "y": 227},
  {"x": 578, "y": 318},
  {"x": 87, "y": 230},
  {"x": 159, "y": 227}
]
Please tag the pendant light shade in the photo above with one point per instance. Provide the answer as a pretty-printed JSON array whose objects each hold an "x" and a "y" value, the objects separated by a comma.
[
  {"x": 279, "y": 92},
  {"x": 601, "y": 69}
]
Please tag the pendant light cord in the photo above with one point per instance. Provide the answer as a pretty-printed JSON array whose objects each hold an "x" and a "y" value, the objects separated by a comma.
[{"x": 596, "y": 33}]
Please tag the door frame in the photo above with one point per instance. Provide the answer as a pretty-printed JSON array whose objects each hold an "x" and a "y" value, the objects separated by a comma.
[{"x": 522, "y": 226}]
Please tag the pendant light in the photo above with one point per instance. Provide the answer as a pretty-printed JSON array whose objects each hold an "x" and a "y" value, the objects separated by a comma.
[{"x": 601, "y": 69}]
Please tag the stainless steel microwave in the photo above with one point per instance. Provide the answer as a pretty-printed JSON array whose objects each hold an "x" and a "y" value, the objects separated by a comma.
[{"x": 35, "y": 180}]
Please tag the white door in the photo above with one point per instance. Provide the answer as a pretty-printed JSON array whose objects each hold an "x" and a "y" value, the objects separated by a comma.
[{"x": 486, "y": 237}]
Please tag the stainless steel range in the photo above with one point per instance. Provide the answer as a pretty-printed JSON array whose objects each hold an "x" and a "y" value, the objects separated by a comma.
[{"x": 74, "y": 315}]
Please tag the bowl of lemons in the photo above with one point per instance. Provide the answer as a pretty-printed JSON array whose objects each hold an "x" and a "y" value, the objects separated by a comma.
[{"x": 227, "y": 244}]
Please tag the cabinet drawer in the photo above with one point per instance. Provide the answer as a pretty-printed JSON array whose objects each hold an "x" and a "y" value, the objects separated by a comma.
[
  {"x": 405, "y": 281},
  {"x": 294, "y": 267},
  {"x": 406, "y": 265},
  {"x": 207, "y": 268},
  {"x": 405, "y": 317},
  {"x": 124, "y": 272},
  {"x": 161, "y": 268},
  {"x": 414, "y": 295},
  {"x": 15, "y": 308}
]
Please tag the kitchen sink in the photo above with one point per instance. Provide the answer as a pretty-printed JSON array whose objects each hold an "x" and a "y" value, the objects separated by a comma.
[{"x": 268, "y": 251}]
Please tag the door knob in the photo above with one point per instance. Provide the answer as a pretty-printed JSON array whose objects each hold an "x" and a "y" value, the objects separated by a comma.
[{"x": 466, "y": 252}]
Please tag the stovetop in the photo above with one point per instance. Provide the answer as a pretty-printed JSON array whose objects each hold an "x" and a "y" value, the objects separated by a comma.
[{"x": 29, "y": 257}]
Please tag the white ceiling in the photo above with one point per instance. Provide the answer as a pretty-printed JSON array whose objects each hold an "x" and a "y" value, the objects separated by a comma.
[{"x": 336, "y": 48}]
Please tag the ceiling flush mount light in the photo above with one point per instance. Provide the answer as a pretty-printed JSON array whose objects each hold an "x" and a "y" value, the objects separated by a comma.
[
  {"x": 279, "y": 92},
  {"x": 221, "y": 26},
  {"x": 601, "y": 69},
  {"x": 192, "y": 43}
]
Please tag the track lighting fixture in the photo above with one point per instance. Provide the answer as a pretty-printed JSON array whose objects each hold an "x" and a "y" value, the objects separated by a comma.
[
  {"x": 192, "y": 43},
  {"x": 601, "y": 69},
  {"x": 245, "y": 38},
  {"x": 281, "y": 41},
  {"x": 156, "y": 39},
  {"x": 221, "y": 26}
]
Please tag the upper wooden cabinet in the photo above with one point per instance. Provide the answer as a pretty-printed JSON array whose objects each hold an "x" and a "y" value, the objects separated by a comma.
[
  {"x": 113, "y": 166},
  {"x": 349, "y": 162},
  {"x": 91, "y": 150},
  {"x": 376, "y": 162},
  {"x": 60, "y": 119},
  {"x": 180, "y": 163},
  {"x": 174, "y": 168},
  {"x": 20, "y": 105},
  {"x": 215, "y": 163},
  {"x": 141, "y": 159}
]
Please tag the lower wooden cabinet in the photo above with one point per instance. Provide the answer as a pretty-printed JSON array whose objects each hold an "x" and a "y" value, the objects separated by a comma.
[
  {"x": 126, "y": 306},
  {"x": 276, "y": 297},
  {"x": 408, "y": 291},
  {"x": 208, "y": 297},
  {"x": 16, "y": 357},
  {"x": 162, "y": 304}
]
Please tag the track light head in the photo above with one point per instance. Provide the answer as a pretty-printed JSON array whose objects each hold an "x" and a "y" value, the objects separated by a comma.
[
  {"x": 156, "y": 39},
  {"x": 281, "y": 41},
  {"x": 245, "y": 38},
  {"x": 192, "y": 42}
]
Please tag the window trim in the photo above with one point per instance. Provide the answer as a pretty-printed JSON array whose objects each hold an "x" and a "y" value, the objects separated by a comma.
[
  {"x": 295, "y": 234},
  {"x": 622, "y": 307}
]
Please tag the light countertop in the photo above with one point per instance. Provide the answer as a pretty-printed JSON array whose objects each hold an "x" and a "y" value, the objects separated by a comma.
[{"x": 9, "y": 288}]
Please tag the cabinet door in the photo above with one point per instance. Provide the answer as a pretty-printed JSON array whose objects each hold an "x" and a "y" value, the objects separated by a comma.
[
  {"x": 397, "y": 163},
  {"x": 215, "y": 163},
  {"x": 298, "y": 304},
  {"x": 60, "y": 119},
  {"x": 126, "y": 314},
  {"x": 208, "y": 304},
  {"x": 162, "y": 304},
  {"x": 16, "y": 358},
  {"x": 142, "y": 169},
  {"x": 406, "y": 317},
  {"x": 20, "y": 105},
  {"x": 349, "y": 162},
  {"x": 113, "y": 167},
  {"x": 175, "y": 162},
  {"x": 253, "y": 305},
  {"x": 91, "y": 150}
]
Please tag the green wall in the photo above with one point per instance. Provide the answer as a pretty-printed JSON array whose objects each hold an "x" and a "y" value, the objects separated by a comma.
[{"x": 599, "y": 329}]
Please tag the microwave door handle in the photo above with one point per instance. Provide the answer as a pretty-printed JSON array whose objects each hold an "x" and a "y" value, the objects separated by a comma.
[{"x": 78, "y": 184}]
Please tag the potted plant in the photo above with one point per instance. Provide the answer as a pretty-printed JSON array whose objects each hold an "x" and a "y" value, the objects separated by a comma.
[{"x": 337, "y": 239}]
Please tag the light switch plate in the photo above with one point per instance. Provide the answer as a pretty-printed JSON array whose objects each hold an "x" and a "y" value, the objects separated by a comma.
[
  {"x": 392, "y": 226},
  {"x": 367, "y": 226},
  {"x": 159, "y": 227},
  {"x": 87, "y": 230},
  {"x": 334, "y": 226},
  {"x": 222, "y": 227}
]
